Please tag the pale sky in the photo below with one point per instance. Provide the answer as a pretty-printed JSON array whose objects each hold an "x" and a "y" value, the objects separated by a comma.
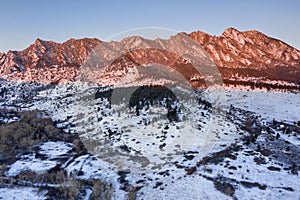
[{"x": 59, "y": 20}]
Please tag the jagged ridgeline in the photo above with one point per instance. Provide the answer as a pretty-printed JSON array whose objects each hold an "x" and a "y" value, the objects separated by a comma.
[{"x": 248, "y": 56}]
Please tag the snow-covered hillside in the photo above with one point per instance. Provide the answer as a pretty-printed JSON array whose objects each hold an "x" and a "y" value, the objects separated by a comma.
[{"x": 211, "y": 144}]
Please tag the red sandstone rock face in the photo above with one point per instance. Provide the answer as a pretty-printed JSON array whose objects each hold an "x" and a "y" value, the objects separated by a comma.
[
  {"x": 237, "y": 54},
  {"x": 235, "y": 49},
  {"x": 46, "y": 61}
]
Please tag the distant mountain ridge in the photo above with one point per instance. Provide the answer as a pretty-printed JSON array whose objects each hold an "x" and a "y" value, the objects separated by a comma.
[
  {"x": 236, "y": 54},
  {"x": 251, "y": 54},
  {"x": 247, "y": 49}
]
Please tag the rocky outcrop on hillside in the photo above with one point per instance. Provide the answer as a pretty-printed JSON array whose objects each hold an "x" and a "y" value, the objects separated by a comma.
[
  {"x": 46, "y": 61},
  {"x": 235, "y": 49},
  {"x": 251, "y": 55}
]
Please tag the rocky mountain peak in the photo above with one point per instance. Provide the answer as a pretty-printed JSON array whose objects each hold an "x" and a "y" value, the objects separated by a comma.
[
  {"x": 201, "y": 37},
  {"x": 247, "y": 49},
  {"x": 49, "y": 61},
  {"x": 38, "y": 41},
  {"x": 231, "y": 32}
]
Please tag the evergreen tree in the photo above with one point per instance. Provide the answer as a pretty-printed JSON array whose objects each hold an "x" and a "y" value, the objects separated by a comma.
[
  {"x": 277, "y": 136},
  {"x": 294, "y": 169},
  {"x": 137, "y": 110}
]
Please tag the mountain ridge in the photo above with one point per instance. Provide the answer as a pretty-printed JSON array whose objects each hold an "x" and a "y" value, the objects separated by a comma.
[
  {"x": 252, "y": 48},
  {"x": 237, "y": 54}
]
